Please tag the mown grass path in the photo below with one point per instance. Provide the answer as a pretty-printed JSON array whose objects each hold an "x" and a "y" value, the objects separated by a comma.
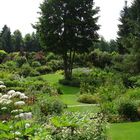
[{"x": 70, "y": 95}]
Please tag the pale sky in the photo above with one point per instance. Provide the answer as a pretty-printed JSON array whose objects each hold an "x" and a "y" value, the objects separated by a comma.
[{"x": 20, "y": 14}]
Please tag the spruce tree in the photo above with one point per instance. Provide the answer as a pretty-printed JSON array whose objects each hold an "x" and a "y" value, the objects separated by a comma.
[
  {"x": 5, "y": 37},
  {"x": 68, "y": 27},
  {"x": 125, "y": 29}
]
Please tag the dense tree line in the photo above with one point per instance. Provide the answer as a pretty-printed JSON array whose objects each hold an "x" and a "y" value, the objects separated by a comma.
[{"x": 16, "y": 42}]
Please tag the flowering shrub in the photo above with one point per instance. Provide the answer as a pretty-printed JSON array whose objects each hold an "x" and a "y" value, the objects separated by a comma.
[
  {"x": 11, "y": 103},
  {"x": 77, "y": 126}
]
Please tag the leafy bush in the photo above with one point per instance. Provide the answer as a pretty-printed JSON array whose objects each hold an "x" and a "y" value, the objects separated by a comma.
[
  {"x": 10, "y": 64},
  {"x": 73, "y": 82},
  {"x": 13, "y": 83},
  {"x": 44, "y": 69},
  {"x": 77, "y": 126},
  {"x": 40, "y": 56},
  {"x": 26, "y": 70},
  {"x": 3, "y": 54},
  {"x": 133, "y": 94},
  {"x": 88, "y": 98},
  {"x": 35, "y": 64},
  {"x": 100, "y": 59},
  {"x": 51, "y": 106},
  {"x": 109, "y": 92},
  {"x": 51, "y": 56},
  {"x": 135, "y": 80},
  {"x": 55, "y": 65},
  {"x": 97, "y": 78},
  {"x": 21, "y": 60},
  {"x": 128, "y": 110}
]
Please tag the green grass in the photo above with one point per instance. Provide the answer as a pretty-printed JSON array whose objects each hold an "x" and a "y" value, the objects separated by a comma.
[
  {"x": 92, "y": 109},
  {"x": 70, "y": 95},
  {"x": 52, "y": 78},
  {"x": 124, "y": 131},
  {"x": 70, "y": 99}
]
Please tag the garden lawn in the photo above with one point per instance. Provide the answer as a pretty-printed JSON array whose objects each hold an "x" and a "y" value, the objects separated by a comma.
[
  {"x": 70, "y": 94},
  {"x": 124, "y": 131}
]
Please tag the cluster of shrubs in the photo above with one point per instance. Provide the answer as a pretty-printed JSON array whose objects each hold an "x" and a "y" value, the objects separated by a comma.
[
  {"x": 116, "y": 100},
  {"x": 30, "y": 64}
]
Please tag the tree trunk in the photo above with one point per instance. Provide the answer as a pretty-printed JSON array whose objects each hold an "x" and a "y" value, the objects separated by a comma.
[{"x": 67, "y": 67}]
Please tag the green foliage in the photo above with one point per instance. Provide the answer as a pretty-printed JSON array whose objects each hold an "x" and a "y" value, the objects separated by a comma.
[
  {"x": 89, "y": 99},
  {"x": 21, "y": 60},
  {"x": 5, "y": 39},
  {"x": 35, "y": 64},
  {"x": 19, "y": 130},
  {"x": 44, "y": 69},
  {"x": 10, "y": 64},
  {"x": 124, "y": 30},
  {"x": 76, "y": 126},
  {"x": 51, "y": 56},
  {"x": 100, "y": 59},
  {"x": 72, "y": 31},
  {"x": 133, "y": 94},
  {"x": 26, "y": 70},
  {"x": 128, "y": 110},
  {"x": 110, "y": 92},
  {"x": 55, "y": 65},
  {"x": 3, "y": 54},
  {"x": 31, "y": 42},
  {"x": 73, "y": 82},
  {"x": 129, "y": 38},
  {"x": 51, "y": 106},
  {"x": 94, "y": 79},
  {"x": 17, "y": 41}
]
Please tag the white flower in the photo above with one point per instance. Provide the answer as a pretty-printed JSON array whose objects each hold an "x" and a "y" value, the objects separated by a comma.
[
  {"x": 23, "y": 97},
  {"x": 3, "y": 108},
  {"x": 17, "y": 133},
  {"x": 4, "y": 121},
  {"x": 2, "y": 86},
  {"x": 16, "y": 110},
  {"x": 9, "y": 102},
  {"x": 24, "y": 115},
  {"x": 27, "y": 125},
  {"x": 19, "y": 103},
  {"x": 10, "y": 92},
  {"x": 13, "y": 95},
  {"x": 18, "y": 92},
  {"x": 5, "y": 96},
  {"x": 5, "y": 101},
  {"x": 1, "y": 83}
]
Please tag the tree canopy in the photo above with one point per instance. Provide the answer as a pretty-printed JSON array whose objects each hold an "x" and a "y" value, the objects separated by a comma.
[{"x": 68, "y": 27}]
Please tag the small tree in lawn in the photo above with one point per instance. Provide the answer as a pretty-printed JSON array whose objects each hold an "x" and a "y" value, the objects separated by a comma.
[{"x": 68, "y": 27}]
